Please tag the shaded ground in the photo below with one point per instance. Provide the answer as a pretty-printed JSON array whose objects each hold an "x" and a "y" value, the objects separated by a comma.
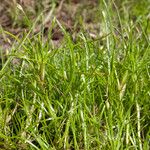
[
  {"x": 18, "y": 16},
  {"x": 73, "y": 15}
]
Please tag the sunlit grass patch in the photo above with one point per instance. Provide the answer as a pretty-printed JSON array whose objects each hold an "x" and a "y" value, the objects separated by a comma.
[{"x": 87, "y": 93}]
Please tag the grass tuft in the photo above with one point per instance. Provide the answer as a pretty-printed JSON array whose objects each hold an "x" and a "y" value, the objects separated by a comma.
[{"x": 84, "y": 94}]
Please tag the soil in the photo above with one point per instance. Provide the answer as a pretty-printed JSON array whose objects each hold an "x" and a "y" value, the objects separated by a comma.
[{"x": 67, "y": 12}]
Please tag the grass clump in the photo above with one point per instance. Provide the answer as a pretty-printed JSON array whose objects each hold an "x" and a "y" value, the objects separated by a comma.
[{"x": 87, "y": 94}]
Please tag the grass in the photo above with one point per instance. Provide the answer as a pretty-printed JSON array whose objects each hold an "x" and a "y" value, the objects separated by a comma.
[{"x": 88, "y": 94}]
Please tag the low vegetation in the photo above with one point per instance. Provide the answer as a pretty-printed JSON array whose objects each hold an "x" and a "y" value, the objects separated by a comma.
[{"x": 86, "y": 89}]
